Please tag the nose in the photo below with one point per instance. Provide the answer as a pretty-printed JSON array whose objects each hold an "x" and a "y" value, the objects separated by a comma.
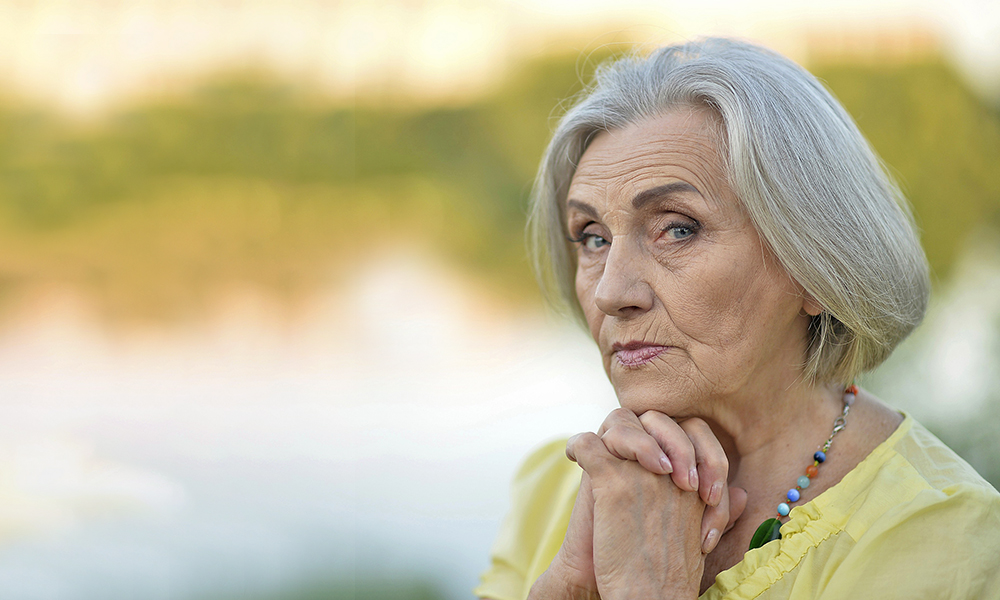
[{"x": 624, "y": 289}]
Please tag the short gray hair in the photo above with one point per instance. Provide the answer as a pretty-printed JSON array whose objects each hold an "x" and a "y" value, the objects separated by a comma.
[{"x": 814, "y": 188}]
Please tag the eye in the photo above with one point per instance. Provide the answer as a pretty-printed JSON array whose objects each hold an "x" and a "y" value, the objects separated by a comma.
[
  {"x": 680, "y": 231},
  {"x": 592, "y": 241}
]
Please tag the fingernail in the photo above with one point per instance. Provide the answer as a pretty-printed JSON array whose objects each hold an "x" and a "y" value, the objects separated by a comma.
[
  {"x": 715, "y": 495},
  {"x": 693, "y": 479},
  {"x": 665, "y": 463},
  {"x": 710, "y": 541}
]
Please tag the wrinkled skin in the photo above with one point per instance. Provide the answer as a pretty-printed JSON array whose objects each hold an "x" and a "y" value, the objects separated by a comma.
[{"x": 702, "y": 334}]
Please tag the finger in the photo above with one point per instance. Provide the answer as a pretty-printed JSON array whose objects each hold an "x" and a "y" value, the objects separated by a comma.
[
  {"x": 676, "y": 444},
  {"x": 713, "y": 464},
  {"x": 589, "y": 451},
  {"x": 625, "y": 438},
  {"x": 732, "y": 505},
  {"x": 713, "y": 523},
  {"x": 737, "y": 504},
  {"x": 577, "y": 550}
]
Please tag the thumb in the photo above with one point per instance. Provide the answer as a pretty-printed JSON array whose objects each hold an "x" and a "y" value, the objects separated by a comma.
[{"x": 737, "y": 504}]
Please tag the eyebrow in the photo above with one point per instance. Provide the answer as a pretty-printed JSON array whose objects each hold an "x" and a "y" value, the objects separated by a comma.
[
  {"x": 642, "y": 198},
  {"x": 645, "y": 197},
  {"x": 584, "y": 208}
]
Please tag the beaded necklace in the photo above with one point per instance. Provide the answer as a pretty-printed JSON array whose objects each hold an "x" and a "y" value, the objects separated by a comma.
[{"x": 769, "y": 529}]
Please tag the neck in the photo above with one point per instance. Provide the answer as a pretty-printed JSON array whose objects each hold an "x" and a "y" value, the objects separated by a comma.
[{"x": 766, "y": 434}]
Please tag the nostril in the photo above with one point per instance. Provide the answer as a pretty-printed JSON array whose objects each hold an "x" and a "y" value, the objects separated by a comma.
[
  {"x": 630, "y": 311},
  {"x": 625, "y": 300}
]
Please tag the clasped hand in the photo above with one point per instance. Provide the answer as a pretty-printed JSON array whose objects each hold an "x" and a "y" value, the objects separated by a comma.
[{"x": 653, "y": 501}]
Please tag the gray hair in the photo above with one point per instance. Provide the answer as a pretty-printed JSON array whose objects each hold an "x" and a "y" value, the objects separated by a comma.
[{"x": 813, "y": 187}]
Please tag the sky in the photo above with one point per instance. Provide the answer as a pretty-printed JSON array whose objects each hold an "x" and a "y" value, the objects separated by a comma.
[{"x": 89, "y": 55}]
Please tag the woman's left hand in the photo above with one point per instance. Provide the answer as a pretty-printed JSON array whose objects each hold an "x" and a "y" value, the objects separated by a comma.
[{"x": 650, "y": 530}]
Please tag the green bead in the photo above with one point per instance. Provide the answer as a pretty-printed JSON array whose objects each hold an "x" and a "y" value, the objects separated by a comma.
[{"x": 803, "y": 482}]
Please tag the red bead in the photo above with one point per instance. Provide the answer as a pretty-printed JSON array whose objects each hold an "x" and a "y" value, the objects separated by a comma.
[
  {"x": 852, "y": 389},
  {"x": 812, "y": 471}
]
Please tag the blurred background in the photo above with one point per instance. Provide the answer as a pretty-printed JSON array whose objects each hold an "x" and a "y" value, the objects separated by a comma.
[{"x": 267, "y": 328}]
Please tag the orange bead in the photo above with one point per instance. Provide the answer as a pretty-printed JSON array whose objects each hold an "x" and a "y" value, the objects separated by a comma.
[
  {"x": 812, "y": 471},
  {"x": 852, "y": 389}
]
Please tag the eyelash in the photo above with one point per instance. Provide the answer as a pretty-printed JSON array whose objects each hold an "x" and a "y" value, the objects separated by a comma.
[
  {"x": 692, "y": 227},
  {"x": 583, "y": 237}
]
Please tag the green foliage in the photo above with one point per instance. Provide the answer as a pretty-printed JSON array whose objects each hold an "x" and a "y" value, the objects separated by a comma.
[
  {"x": 941, "y": 142},
  {"x": 768, "y": 531},
  {"x": 251, "y": 181}
]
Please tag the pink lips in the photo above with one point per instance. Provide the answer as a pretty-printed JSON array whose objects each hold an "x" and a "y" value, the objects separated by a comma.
[{"x": 634, "y": 354}]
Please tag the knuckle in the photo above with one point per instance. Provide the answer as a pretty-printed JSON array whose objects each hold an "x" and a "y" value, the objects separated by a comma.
[
  {"x": 613, "y": 433},
  {"x": 651, "y": 417},
  {"x": 581, "y": 442},
  {"x": 620, "y": 414},
  {"x": 714, "y": 460},
  {"x": 695, "y": 424},
  {"x": 588, "y": 440},
  {"x": 650, "y": 445}
]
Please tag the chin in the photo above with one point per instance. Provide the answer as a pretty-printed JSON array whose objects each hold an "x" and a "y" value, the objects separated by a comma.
[
  {"x": 640, "y": 398},
  {"x": 665, "y": 384}
]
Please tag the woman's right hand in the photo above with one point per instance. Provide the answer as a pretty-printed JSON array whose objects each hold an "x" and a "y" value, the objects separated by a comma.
[{"x": 687, "y": 451}]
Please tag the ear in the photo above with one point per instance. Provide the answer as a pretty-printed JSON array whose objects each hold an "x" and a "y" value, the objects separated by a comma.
[{"x": 810, "y": 305}]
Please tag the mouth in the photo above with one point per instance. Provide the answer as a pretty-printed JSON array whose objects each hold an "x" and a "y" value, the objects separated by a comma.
[{"x": 635, "y": 354}]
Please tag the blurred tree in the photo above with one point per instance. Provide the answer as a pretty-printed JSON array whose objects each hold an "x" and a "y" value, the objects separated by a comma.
[
  {"x": 249, "y": 180},
  {"x": 940, "y": 141}
]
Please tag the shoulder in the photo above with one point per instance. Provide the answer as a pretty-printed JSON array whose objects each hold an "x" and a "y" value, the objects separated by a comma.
[
  {"x": 539, "y": 490},
  {"x": 912, "y": 520},
  {"x": 942, "y": 491},
  {"x": 923, "y": 522},
  {"x": 919, "y": 474},
  {"x": 938, "y": 465},
  {"x": 547, "y": 459},
  {"x": 542, "y": 494}
]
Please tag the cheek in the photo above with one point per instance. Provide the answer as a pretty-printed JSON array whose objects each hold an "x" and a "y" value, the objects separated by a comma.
[
  {"x": 733, "y": 306},
  {"x": 586, "y": 288},
  {"x": 714, "y": 303}
]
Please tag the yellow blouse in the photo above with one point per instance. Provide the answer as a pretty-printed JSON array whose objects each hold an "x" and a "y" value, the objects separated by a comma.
[{"x": 912, "y": 520}]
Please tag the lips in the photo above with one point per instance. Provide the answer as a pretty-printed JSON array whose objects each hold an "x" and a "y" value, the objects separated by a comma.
[{"x": 634, "y": 354}]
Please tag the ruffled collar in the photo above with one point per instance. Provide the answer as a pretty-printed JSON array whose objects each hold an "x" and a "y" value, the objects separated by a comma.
[{"x": 808, "y": 525}]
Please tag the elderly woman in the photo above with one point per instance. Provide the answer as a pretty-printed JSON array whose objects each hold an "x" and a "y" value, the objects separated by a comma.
[{"x": 739, "y": 255}]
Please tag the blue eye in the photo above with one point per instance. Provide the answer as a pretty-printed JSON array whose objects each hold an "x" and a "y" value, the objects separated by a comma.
[
  {"x": 592, "y": 241},
  {"x": 679, "y": 231}
]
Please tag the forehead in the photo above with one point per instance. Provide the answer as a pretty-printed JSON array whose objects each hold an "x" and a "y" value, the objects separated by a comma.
[{"x": 677, "y": 146}]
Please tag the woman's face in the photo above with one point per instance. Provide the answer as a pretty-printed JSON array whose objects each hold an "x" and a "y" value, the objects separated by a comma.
[{"x": 689, "y": 308}]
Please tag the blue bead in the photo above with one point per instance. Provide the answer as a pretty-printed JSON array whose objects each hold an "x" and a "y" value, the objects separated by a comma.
[
  {"x": 819, "y": 456},
  {"x": 783, "y": 509},
  {"x": 793, "y": 495},
  {"x": 803, "y": 482}
]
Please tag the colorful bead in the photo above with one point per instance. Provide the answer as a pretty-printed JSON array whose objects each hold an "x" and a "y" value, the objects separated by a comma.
[{"x": 769, "y": 530}]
